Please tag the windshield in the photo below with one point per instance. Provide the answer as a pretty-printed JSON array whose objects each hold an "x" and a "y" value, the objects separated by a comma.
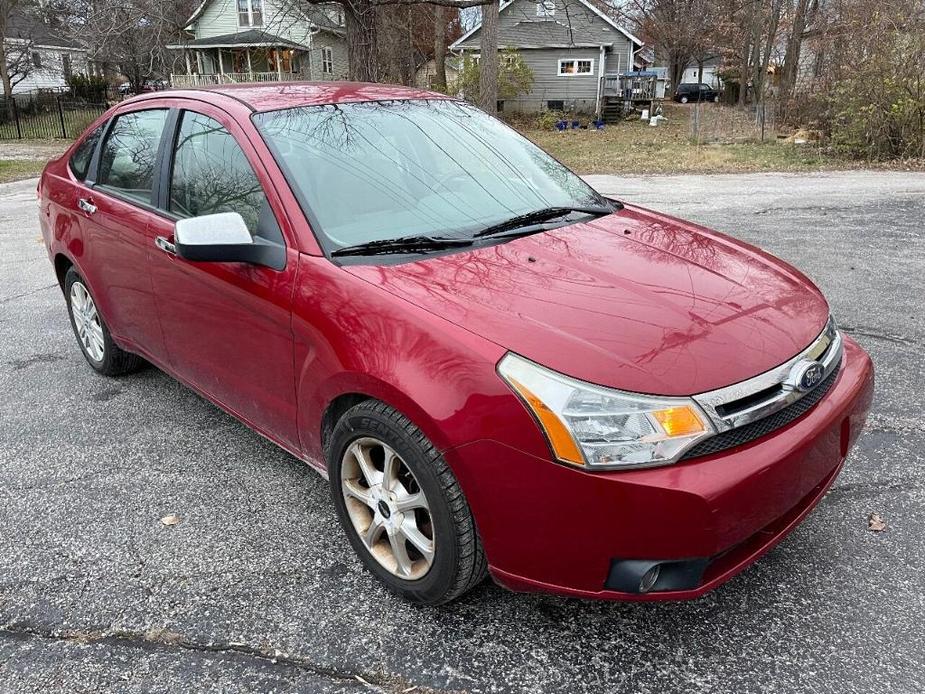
[{"x": 374, "y": 171}]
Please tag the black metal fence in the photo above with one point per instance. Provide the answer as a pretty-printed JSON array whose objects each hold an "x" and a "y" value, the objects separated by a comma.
[{"x": 49, "y": 115}]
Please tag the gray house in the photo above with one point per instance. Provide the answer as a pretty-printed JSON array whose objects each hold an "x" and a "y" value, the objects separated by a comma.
[
  {"x": 575, "y": 50},
  {"x": 262, "y": 41}
]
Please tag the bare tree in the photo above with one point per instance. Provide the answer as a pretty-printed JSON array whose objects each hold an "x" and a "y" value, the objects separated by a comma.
[
  {"x": 440, "y": 22},
  {"x": 15, "y": 51},
  {"x": 488, "y": 61},
  {"x": 132, "y": 34},
  {"x": 802, "y": 16},
  {"x": 364, "y": 20},
  {"x": 678, "y": 29}
]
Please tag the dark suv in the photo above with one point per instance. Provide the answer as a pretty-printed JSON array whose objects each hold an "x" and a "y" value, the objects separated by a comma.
[{"x": 695, "y": 92}]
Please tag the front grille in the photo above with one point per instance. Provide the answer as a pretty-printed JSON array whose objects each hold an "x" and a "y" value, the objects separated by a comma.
[{"x": 754, "y": 430}]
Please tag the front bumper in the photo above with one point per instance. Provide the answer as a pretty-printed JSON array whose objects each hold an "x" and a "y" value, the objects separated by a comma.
[{"x": 548, "y": 527}]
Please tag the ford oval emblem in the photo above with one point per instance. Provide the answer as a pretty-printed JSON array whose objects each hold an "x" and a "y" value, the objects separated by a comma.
[{"x": 808, "y": 375}]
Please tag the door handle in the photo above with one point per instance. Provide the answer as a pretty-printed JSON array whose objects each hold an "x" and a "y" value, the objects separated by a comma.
[
  {"x": 165, "y": 245},
  {"x": 86, "y": 206}
]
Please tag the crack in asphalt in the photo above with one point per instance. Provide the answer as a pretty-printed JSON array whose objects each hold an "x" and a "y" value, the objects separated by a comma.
[
  {"x": 170, "y": 642},
  {"x": 47, "y": 358},
  {"x": 877, "y": 335},
  {"x": 7, "y": 299},
  {"x": 864, "y": 489}
]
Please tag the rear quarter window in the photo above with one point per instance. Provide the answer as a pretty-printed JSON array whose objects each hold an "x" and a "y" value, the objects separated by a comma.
[{"x": 80, "y": 159}]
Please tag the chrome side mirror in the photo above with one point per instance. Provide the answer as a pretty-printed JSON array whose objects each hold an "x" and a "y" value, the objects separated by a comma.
[
  {"x": 225, "y": 228},
  {"x": 224, "y": 238}
]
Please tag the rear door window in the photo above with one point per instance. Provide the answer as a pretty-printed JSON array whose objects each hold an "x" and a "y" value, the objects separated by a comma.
[
  {"x": 129, "y": 154},
  {"x": 80, "y": 159},
  {"x": 211, "y": 174}
]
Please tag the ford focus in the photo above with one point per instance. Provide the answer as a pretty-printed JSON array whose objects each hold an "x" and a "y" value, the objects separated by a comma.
[{"x": 499, "y": 370}]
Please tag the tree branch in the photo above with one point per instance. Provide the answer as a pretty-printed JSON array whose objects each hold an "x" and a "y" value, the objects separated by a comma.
[{"x": 461, "y": 4}]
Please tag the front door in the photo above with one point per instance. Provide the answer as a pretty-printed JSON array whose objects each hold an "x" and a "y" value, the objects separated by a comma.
[{"x": 226, "y": 325}]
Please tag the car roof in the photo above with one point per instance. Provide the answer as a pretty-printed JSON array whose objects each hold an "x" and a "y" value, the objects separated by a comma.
[{"x": 271, "y": 96}]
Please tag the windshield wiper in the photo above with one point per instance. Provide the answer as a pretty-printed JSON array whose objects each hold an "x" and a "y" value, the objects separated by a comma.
[
  {"x": 404, "y": 244},
  {"x": 540, "y": 216}
]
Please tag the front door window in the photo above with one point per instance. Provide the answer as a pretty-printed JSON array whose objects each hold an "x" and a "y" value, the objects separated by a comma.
[{"x": 211, "y": 174}]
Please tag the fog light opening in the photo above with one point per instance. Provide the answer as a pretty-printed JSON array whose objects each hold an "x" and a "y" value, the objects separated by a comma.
[{"x": 649, "y": 579}]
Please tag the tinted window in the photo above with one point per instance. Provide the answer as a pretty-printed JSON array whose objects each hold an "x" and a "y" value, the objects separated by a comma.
[
  {"x": 211, "y": 174},
  {"x": 130, "y": 153},
  {"x": 80, "y": 159}
]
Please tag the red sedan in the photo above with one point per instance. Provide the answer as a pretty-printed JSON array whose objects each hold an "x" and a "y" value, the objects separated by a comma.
[{"x": 499, "y": 370}]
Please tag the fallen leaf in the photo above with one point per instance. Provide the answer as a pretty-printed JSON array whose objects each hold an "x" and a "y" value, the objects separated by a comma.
[
  {"x": 875, "y": 523},
  {"x": 171, "y": 519}
]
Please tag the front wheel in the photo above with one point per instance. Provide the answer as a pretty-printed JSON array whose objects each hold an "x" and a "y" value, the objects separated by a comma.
[
  {"x": 401, "y": 506},
  {"x": 716, "y": 99},
  {"x": 684, "y": 99}
]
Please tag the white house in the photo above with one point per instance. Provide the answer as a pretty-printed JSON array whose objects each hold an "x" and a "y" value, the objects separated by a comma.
[
  {"x": 262, "y": 41},
  {"x": 711, "y": 68},
  {"x": 39, "y": 57}
]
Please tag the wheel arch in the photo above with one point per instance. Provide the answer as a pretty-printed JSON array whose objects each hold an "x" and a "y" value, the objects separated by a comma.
[
  {"x": 62, "y": 264},
  {"x": 321, "y": 409},
  {"x": 334, "y": 410}
]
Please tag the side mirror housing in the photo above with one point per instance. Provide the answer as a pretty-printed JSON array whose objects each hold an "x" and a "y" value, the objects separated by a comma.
[{"x": 224, "y": 238}]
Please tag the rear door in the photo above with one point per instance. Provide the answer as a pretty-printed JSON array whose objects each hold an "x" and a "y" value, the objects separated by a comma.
[
  {"x": 115, "y": 206},
  {"x": 227, "y": 326}
]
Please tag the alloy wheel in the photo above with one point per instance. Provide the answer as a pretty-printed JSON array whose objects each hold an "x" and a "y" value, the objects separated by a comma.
[
  {"x": 87, "y": 322},
  {"x": 387, "y": 508}
]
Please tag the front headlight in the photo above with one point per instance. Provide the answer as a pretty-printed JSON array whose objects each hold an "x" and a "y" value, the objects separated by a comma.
[{"x": 597, "y": 427}]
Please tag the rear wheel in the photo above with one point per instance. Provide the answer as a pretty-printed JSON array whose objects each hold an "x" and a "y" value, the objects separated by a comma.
[
  {"x": 401, "y": 506},
  {"x": 716, "y": 99},
  {"x": 91, "y": 332}
]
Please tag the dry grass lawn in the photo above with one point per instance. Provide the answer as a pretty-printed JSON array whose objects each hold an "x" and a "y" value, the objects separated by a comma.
[
  {"x": 634, "y": 146},
  {"x": 18, "y": 169}
]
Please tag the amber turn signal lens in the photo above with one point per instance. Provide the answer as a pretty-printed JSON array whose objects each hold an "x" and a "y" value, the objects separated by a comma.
[
  {"x": 679, "y": 421},
  {"x": 563, "y": 444}
]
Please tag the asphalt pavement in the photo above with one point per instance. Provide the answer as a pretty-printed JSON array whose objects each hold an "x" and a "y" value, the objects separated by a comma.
[{"x": 256, "y": 589}]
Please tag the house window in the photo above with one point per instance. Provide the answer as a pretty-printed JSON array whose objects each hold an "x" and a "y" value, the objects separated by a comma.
[
  {"x": 576, "y": 66},
  {"x": 327, "y": 60},
  {"x": 555, "y": 105},
  {"x": 250, "y": 13},
  {"x": 37, "y": 59},
  {"x": 282, "y": 61},
  {"x": 335, "y": 14},
  {"x": 545, "y": 8},
  {"x": 66, "y": 65}
]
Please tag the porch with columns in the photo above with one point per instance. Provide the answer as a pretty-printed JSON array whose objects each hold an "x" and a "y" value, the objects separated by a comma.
[{"x": 218, "y": 61}]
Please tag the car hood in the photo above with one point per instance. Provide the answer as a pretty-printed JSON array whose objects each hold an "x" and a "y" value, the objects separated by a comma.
[{"x": 635, "y": 300}]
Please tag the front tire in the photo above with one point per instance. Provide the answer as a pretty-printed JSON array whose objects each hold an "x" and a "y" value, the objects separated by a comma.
[
  {"x": 95, "y": 341},
  {"x": 684, "y": 99},
  {"x": 401, "y": 506}
]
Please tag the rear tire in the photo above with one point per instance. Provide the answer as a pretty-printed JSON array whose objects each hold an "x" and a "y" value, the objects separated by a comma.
[
  {"x": 95, "y": 341},
  {"x": 384, "y": 461}
]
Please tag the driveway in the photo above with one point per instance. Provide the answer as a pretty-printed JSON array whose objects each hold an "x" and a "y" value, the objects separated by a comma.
[{"x": 256, "y": 589}]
